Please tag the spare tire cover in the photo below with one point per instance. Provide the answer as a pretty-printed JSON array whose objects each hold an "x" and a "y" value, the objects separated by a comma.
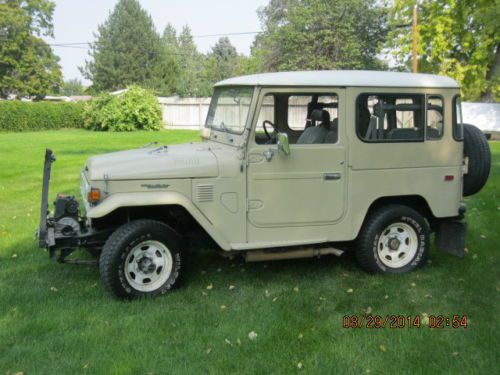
[{"x": 477, "y": 149}]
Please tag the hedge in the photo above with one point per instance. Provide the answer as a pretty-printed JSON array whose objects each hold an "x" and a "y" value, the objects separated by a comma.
[
  {"x": 18, "y": 116},
  {"x": 135, "y": 109}
]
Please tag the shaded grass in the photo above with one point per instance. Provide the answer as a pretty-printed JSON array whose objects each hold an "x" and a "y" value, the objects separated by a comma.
[{"x": 80, "y": 329}]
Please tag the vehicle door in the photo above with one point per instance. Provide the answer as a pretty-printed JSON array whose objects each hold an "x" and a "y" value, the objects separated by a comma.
[{"x": 308, "y": 186}]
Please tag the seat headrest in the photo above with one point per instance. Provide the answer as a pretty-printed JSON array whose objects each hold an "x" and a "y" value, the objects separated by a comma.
[
  {"x": 320, "y": 115},
  {"x": 364, "y": 114},
  {"x": 364, "y": 117}
]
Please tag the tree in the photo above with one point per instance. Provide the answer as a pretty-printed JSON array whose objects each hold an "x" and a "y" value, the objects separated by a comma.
[
  {"x": 319, "y": 34},
  {"x": 128, "y": 50},
  {"x": 169, "y": 39},
  {"x": 192, "y": 80},
  {"x": 225, "y": 60},
  {"x": 28, "y": 67},
  {"x": 72, "y": 87},
  {"x": 458, "y": 38},
  {"x": 198, "y": 72}
]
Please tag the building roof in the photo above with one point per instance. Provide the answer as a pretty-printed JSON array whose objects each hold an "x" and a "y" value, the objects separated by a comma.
[{"x": 363, "y": 78}]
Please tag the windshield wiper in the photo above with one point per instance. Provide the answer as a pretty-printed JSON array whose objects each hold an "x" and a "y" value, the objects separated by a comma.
[
  {"x": 223, "y": 127},
  {"x": 226, "y": 131},
  {"x": 154, "y": 143}
]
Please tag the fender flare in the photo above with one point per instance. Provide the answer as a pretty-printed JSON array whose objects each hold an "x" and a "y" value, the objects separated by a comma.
[
  {"x": 160, "y": 198},
  {"x": 410, "y": 200}
]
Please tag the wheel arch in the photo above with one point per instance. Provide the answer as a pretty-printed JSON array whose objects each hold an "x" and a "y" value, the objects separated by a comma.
[
  {"x": 168, "y": 207},
  {"x": 417, "y": 202}
]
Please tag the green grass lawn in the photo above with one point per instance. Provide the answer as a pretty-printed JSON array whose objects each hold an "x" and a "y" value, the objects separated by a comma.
[{"x": 57, "y": 319}]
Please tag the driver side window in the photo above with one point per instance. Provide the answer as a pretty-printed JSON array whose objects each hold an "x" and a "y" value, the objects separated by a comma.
[
  {"x": 307, "y": 118},
  {"x": 266, "y": 113}
]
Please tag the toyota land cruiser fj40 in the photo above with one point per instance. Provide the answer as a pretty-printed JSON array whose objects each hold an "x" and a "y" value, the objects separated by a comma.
[{"x": 292, "y": 164}]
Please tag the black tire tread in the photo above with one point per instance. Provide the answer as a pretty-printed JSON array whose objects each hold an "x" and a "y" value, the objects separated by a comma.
[
  {"x": 364, "y": 242},
  {"x": 476, "y": 147},
  {"x": 113, "y": 246}
]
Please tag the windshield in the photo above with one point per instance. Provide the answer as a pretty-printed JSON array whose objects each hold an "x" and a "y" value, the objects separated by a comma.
[{"x": 229, "y": 109}]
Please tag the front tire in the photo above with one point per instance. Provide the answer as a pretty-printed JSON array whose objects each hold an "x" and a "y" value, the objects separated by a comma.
[
  {"x": 394, "y": 239},
  {"x": 140, "y": 259}
]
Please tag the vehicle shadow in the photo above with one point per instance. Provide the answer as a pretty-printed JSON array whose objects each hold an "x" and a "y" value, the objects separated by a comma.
[
  {"x": 209, "y": 261},
  {"x": 29, "y": 268}
]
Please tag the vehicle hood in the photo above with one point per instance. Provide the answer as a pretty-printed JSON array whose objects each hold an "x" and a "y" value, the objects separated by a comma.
[{"x": 190, "y": 160}]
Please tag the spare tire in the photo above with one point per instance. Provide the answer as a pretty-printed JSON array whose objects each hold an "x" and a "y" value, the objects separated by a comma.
[{"x": 477, "y": 150}]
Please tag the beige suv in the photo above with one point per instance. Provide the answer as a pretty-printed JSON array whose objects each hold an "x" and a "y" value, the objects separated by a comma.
[{"x": 293, "y": 164}]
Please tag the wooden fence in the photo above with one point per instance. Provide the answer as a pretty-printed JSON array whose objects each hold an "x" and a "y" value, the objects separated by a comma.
[
  {"x": 190, "y": 113},
  {"x": 184, "y": 113}
]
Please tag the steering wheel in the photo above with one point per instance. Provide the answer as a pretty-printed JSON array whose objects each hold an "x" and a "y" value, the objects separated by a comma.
[{"x": 270, "y": 136}]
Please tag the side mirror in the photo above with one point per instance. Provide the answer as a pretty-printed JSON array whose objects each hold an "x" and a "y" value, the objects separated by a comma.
[{"x": 283, "y": 144}]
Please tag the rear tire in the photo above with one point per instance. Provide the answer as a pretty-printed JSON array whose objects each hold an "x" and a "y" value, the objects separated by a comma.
[
  {"x": 477, "y": 149},
  {"x": 394, "y": 239},
  {"x": 140, "y": 259}
]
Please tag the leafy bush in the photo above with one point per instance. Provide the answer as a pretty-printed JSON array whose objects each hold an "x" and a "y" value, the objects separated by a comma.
[
  {"x": 20, "y": 116},
  {"x": 135, "y": 109}
]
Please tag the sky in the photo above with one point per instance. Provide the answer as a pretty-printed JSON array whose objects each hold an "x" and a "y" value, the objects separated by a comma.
[{"x": 76, "y": 21}]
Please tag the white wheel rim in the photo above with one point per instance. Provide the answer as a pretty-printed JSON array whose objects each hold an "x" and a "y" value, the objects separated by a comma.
[
  {"x": 397, "y": 245},
  {"x": 148, "y": 266}
]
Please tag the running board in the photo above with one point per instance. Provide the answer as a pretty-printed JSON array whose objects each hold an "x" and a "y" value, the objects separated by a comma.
[{"x": 267, "y": 255}]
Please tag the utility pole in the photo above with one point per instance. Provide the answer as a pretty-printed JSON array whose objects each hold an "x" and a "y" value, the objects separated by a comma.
[{"x": 415, "y": 40}]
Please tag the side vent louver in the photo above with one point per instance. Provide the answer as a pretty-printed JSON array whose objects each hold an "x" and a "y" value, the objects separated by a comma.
[{"x": 205, "y": 193}]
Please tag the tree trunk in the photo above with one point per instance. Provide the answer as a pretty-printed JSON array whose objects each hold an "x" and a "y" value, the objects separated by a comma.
[{"x": 491, "y": 76}]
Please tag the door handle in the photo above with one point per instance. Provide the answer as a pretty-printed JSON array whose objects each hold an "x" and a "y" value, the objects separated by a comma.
[{"x": 331, "y": 176}]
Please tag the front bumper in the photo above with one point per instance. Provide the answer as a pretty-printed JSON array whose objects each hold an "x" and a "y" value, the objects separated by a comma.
[
  {"x": 65, "y": 229},
  {"x": 46, "y": 239}
]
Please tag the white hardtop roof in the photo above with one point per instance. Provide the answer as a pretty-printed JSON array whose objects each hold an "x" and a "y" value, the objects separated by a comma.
[{"x": 342, "y": 78}]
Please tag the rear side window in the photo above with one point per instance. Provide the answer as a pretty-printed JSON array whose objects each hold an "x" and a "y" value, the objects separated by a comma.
[
  {"x": 390, "y": 117},
  {"x": 458, "y": 130},
  {"x": 435, "y": 117}
]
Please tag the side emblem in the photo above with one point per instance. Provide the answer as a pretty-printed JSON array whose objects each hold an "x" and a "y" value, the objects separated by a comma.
[{"x": 155, "y": 186}]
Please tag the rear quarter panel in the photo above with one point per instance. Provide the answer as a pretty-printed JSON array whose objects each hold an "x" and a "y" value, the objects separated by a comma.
[{"x": 403, "y": 168}]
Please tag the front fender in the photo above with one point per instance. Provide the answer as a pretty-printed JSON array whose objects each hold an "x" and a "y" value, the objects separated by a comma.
[{"x": 163, "y": 198}]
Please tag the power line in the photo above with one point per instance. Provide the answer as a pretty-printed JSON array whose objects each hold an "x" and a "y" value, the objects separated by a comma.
[
  {"x": 150, "y": 53},
  {"x": 228, "y": 34},
  {"x": 76, "y": 44},
  {"x": 68, "y": 46}
]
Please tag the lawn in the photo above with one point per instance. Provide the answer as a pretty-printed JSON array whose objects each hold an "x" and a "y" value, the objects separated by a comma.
[{"x": 57, "y": 319}]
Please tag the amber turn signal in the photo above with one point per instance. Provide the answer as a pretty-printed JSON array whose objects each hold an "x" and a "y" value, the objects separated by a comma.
[{"x": 94, "y": 195}]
